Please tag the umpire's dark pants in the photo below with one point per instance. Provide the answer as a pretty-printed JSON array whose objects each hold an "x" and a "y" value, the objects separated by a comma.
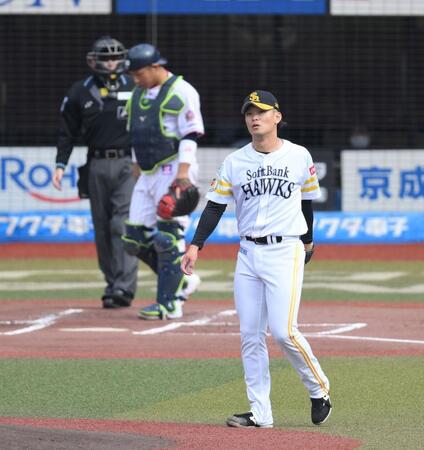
[{"x": 110, "y": 186}]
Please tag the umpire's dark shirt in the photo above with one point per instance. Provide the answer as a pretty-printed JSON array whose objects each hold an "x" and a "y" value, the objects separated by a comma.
[{"x": 98, "y": 115}]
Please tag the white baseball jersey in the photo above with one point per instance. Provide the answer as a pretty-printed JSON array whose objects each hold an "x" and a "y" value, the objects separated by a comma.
[
  {"x": 267, "y": 189},
  {"x": 150, "y": 187},
  {"x": 189, "y": 120}
]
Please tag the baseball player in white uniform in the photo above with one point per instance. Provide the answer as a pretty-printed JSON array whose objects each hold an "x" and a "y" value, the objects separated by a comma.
[
  {"x": 272, "y": 182},
  {"x": 165, "y": 122}
]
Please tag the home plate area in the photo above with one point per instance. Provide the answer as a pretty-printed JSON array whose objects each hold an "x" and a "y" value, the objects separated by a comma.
[
  {"x": 225, "y": 323},
  {"x": 209, "y": 329}
]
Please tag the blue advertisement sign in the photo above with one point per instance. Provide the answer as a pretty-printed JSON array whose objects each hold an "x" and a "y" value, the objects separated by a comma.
[
  {"x": 341, "y": 228},
  {"x": 329, "y": 227},
  {"x": 383, "y": 180},
  {"x": 52, "y": 226},
  {"x": 55, "y": 6},
  {"x": 368, "y": 227},
  {"x": 221, "y": 7},
  {"x": 26, "y": 180}
]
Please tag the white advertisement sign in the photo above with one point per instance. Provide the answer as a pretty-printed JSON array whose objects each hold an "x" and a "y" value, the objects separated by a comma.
[
  {"x": 55, "y": 6},
  {"x": 26, "y": 180},
  {"x": 377, "y": 7},
  {"x": 382, "y": 180}
]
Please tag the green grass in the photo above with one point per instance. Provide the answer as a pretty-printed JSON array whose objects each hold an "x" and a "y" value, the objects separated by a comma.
[
  {"x": 397, "y": 288},
  {"x": 324, "y": 280},
  {"x": 376, "y": 400}
]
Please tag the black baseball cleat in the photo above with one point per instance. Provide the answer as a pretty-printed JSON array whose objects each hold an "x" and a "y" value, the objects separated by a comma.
[
  {"x": 117, "y": 298},
  {"x": 245, "y": 420},
  {"x": 121, "y": 297},
  {"x": 321, "y": 409},
  {"x": 109, "y": 303}
]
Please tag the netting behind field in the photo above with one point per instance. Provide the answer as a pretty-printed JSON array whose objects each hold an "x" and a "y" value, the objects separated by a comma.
[{"x": 334, "y": 76}]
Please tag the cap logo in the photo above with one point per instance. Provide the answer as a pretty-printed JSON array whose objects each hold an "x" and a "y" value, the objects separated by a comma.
[{"x": 254, "y": 97}]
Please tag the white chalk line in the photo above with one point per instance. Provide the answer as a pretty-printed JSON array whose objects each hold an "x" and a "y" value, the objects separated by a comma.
[
  {"x": 95, "y": 330},
  {"x": 368, "y": 338},
  {"x": 46, "y": 321},
  {"x": 331, "y": 333},
  {"x": 316, "y": 335},
  {"x": 42, "y": 322},
  {"x": 193, "y": 323}
]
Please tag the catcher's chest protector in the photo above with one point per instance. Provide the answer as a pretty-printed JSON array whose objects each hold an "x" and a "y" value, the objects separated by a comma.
[{"x": 151, "y": 146}]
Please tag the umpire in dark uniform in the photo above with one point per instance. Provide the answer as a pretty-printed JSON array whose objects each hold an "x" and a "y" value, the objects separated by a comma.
[{"x": 94, "y": 108}]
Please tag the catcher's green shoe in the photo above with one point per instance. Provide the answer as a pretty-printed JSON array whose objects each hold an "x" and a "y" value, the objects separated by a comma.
[{"x": 160, "y": 312}]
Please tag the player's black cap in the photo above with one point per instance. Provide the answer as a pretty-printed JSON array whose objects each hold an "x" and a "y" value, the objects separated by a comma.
[{"x": 262, "y": 99}]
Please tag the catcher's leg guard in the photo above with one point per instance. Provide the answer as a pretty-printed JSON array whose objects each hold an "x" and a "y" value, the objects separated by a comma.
[
  {"x": 138, "y": 241},
  {"x": 169, "y": 244}
]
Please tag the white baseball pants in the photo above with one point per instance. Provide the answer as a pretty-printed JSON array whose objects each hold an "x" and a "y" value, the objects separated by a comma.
[
  {"x": 150, "y": 188},
  {"x": 267, "y": 288}
]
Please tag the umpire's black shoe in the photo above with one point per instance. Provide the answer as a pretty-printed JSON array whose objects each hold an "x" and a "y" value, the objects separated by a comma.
[
  {"x": 121, "y": 297},
  {"x": 109, "y": 303},
  {"x": 245, "y": 420},
  {"x": 321, "y": 409}
]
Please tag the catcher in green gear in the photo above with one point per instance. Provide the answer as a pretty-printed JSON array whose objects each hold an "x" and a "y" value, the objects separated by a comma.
[{"x": 165, "y": 121}]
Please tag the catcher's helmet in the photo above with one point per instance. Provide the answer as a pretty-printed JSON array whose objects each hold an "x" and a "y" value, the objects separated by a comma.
[
  {"x": 104, "y": 50},
  {"x": 143, "y": 55}
]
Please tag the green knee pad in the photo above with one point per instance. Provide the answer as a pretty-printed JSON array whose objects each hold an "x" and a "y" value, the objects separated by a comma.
[{"x": 138, "y": 241}]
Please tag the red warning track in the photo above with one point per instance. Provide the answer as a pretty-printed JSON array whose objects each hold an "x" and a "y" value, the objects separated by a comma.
[{"x": 375, "y": 252}]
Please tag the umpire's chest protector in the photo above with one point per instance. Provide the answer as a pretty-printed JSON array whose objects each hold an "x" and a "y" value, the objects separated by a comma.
[{"x": 152, "y": 144}]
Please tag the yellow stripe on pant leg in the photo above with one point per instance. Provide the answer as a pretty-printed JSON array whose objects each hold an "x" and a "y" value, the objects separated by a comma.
[{"x": 291, "y": 314}]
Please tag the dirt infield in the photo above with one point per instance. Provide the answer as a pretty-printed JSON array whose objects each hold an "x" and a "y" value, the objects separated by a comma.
[
  {"x": 56, "y": 434},
  {"x": 374, "y": 252},
  {"x": 60, "y": 329}
]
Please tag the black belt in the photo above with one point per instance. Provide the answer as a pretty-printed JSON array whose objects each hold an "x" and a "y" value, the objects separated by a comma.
[
  {"x": 111, "y": 153},
  {"x": 264, "y": 240}
]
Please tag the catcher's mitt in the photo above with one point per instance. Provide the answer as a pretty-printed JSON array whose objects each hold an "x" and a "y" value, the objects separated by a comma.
[{"x": 180, "y": 200}]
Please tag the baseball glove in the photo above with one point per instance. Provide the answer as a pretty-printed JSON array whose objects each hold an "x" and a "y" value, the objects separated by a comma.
[
  {"x": 308, "y": 254},
  {"x": 180, "y": 200}
]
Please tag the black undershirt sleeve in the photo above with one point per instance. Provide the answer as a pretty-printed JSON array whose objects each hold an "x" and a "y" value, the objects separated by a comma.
[
  {"x": 192, "y": 136},
  {"x": 308, "y": 213},
  {"x": 208, "y": 221}
]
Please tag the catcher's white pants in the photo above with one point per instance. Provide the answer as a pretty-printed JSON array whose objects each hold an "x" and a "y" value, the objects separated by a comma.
[
  {"x": 150, "y": 188},
  {"x": 267, "y": 287}
]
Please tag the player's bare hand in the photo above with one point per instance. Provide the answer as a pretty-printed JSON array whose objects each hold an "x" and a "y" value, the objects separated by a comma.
[
  {"x": 136, "y": 170},
  {"x": 189, "y": 259},
  {"x": 57, "y": 178}
]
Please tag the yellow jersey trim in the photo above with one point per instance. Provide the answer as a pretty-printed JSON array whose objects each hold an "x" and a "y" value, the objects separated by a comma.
[
  {"x": 310, "y": 180},
  {"x": 224, "y": 183},
  {"x": 309, "y": 189},
  {"x": 221, "y": 192}
]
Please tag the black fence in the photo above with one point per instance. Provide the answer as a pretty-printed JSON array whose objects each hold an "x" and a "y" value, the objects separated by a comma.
[{"x": 334, "y": 76}]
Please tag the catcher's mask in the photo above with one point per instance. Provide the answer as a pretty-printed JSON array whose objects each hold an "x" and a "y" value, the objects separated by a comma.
[{"x": 107, "y": 59}]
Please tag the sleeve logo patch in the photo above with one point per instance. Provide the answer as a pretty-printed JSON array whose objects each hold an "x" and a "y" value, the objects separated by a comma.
[
  {"x": 213, "y": 185},
  {"x": 189, "y": 116},
  {"x": 312, "y": 170}
]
